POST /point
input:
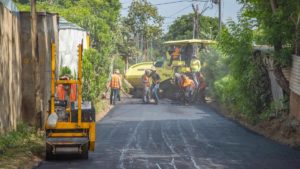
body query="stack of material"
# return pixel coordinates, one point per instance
(295, 88)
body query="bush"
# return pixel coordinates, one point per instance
(65, 71)
(246, 87)
(95, 74)
(23, 136)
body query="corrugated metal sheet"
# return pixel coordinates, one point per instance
(70, 36)
(64, 24)
(287, 73)
(295, 75)
(10, 6)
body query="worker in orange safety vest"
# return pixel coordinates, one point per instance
(62, 93)
(175, 54)
(115, 85)
(146, 86)
(188, 87)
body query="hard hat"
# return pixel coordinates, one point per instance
(177, 75)
(64, 77)
(147, 71)
(117, 71)
(153, 68)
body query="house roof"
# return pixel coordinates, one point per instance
(64, 24)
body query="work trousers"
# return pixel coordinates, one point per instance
(154, 89)
(146, 95)
(114, 93)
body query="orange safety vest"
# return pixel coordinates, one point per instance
(187, 82)
(73, 93)
(60, 92)
(146, 81)
(176, 53)
(115, 81)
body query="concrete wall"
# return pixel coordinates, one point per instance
(10, 70)
(47, 27)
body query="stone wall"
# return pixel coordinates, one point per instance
(10, 69)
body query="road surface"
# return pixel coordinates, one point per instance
(170, 136)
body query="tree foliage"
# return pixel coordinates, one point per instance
(274, 19)
(143, 19)
(99, 18)
(182, 28)
(145, 25)
(246, 88)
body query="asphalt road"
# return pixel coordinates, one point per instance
(170, 136)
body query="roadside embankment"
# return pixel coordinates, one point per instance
(283, 129)
(24, 147)
(102, 108)
(21, 148)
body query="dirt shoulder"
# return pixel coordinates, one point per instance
(284, 129)
(29, 153)
(102, 109)
(21, 149)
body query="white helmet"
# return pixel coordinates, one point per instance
(117, 71)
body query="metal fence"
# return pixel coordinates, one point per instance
(9, 4)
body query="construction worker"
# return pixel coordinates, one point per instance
(188, 87)
(188, 53)
(62, 90)
(146, 86)
(201, 86)
(195, 64)
(155, 84)
(178, 82)
(175, 54)
(121, 78)
(115, 85)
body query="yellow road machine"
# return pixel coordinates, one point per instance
(165, 68)
(70, 125)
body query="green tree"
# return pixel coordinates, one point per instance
(126, 45)
(246, 87)
(182, 27)
(99, 18)
(276, 20)
(145, 24)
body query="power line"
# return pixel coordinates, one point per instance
(166, 3)
(177, 12)
(174, 2)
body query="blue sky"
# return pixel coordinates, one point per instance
(230, 9)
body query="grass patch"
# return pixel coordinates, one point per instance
(18, 148)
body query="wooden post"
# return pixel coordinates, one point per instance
(35, 62)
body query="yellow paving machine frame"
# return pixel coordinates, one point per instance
(67, 133)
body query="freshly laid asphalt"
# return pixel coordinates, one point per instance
(172, 136)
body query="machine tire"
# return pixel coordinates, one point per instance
(49, 155)
(85, 151)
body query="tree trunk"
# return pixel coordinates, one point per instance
(282, 81)
(273, 5)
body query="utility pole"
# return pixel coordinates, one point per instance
(220, 17)
(196, 21)
(196, 27)
(218, 2)
(35, 63)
